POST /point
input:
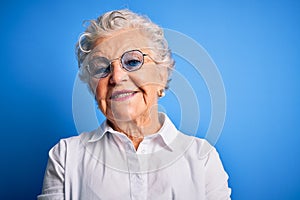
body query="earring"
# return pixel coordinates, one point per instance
(161, 93)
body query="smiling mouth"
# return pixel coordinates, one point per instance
(122, 95)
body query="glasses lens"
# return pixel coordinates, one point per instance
(99, 67)
(132, 60)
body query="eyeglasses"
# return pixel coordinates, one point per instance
(100, 67)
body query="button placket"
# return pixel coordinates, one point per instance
(143, 148)
(138, 186)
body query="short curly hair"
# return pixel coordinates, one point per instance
(114, 21)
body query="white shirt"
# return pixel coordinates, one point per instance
(104, 165)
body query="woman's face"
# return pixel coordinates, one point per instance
(128, 96)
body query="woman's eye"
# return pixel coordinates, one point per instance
(102, 70)
(99, 65)
(133, 63)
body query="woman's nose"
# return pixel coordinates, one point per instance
(117, 73)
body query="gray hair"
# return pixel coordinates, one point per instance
(114, 21)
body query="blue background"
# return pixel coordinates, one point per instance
(255, 45)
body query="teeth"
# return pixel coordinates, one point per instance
(122, 95)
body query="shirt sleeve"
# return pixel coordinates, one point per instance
(53, 185)
(216, 178)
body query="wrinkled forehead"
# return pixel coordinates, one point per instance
(121, 41)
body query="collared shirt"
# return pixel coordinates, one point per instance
(104, 165)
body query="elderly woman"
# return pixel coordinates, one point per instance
(137, 153)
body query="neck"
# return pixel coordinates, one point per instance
(137, 129)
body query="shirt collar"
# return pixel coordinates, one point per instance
(167, 132)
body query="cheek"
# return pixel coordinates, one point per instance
(148, 75)
(101, 96)
(94, 84)
(101, 90)
(150, 95)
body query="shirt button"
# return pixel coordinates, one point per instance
(140, 178)
(143, 151)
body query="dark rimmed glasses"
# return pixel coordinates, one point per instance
(100, 67)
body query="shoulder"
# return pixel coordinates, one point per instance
(71, 143)
(69, 149)
(201, 147)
